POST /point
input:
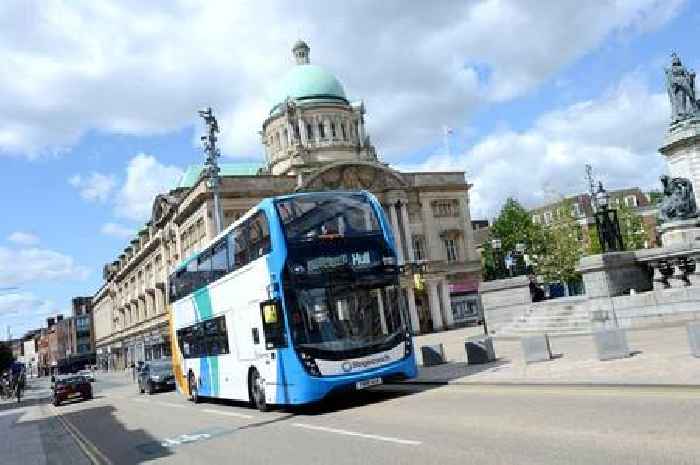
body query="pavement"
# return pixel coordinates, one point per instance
(401, 424)
(661, 356)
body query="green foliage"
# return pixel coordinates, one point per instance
(513, 225)
(632, 228)
(561, 247)
(655, 197)
(6, 357)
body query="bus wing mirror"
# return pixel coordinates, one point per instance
(273, 324)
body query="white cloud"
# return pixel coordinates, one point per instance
(117, 230)
(146, 177)
(96, 187)
(618, 134)
(24, 311)
(34, 264)
(23, 238)
(145, 68)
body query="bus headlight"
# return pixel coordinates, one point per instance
(408, 345)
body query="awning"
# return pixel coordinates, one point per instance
(465, 286)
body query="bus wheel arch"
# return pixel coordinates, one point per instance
(256, 390)
(192, 386)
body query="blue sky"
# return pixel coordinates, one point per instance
(99, 107)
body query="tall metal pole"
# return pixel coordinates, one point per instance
(211, 165)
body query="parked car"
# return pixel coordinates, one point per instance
(88, 374)
(71, 387)
(156, 376)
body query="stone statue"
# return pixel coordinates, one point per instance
(680, 85)
(679, 200)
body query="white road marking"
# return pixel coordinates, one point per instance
(170, 404)
(407, 442)
(228, 414)
(12, 412)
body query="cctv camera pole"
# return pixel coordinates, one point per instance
(211, 166)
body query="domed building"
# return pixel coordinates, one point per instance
(314, 139)
(311, 122)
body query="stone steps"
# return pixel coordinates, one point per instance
(554, 318)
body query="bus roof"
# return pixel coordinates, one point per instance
(255, 208)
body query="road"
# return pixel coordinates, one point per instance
(393, 425)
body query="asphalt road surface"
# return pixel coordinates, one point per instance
(393, 425)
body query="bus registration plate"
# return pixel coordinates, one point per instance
(365, 383)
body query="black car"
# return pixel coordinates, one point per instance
(156, 376)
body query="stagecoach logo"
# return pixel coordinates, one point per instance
(364, 363)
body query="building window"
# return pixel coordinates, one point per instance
(445, 208)
(547, 217)
(631, 201)
(451, 249)
(321, 131)
(342, 130)
(333, 134)
(309, 131)
(536, 219)
(419, 247)
(576, 211)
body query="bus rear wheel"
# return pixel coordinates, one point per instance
(257, 391)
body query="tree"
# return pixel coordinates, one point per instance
(560, 247)
(6, 357)
(512, 226)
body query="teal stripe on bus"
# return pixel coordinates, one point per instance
(202, 304)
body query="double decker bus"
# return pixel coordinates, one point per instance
(298, 298)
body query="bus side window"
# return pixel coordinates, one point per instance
(204, 273)
(219, 261)
(241, 246)
(259, 236)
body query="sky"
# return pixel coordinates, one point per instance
(99, 100)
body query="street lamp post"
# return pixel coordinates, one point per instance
(211, 166)
(607, 223)
(496, 245)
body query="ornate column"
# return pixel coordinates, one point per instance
(412, 310)
(382, 315)
(302, 132)
(407, 231)
(447, 304)
(432, 241)
(434, 302)
(315, 124)
(397, 233)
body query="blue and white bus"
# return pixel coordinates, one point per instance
(298, 298)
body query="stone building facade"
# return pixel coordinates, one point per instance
(314, 139)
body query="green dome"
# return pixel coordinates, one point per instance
(306, 82)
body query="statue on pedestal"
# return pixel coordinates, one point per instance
(679, 200)
(680, 85)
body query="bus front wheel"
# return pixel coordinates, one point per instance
(257, 391)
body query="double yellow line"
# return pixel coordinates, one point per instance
(89, 449)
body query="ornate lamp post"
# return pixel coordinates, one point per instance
(211, 165)
(496, 245)
(607, 223)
